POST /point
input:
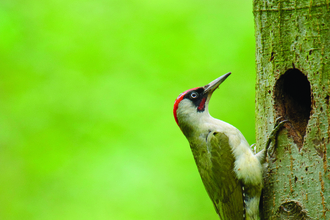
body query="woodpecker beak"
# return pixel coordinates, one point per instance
(209, 88)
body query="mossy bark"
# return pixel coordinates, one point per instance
(293, 82)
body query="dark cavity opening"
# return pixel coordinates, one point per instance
(293, 102)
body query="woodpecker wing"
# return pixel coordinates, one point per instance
(222, 186)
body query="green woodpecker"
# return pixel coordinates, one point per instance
(230, 171)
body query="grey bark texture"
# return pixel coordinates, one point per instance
(293, 82)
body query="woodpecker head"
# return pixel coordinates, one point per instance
(192, 105)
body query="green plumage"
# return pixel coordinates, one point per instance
(215, 163)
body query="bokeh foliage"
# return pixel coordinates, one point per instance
(87, 90)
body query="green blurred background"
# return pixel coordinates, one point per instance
(87, 90)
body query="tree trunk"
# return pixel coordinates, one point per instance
(293, 77)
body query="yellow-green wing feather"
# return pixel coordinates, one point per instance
(217, 172)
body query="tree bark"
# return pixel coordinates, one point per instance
(293, 82)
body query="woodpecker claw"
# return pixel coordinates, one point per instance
(254, 148)
(278, 125)
(278, 120)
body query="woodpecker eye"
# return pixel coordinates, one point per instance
(194, 95)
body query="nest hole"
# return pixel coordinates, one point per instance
(293, 102)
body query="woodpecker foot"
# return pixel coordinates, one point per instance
(273, 135)
(254, 148)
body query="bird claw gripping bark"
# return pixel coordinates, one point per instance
(269, 150)
(273, 136)
(254, 148)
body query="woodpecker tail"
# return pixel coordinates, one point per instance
(251, 198)
(252, 209)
